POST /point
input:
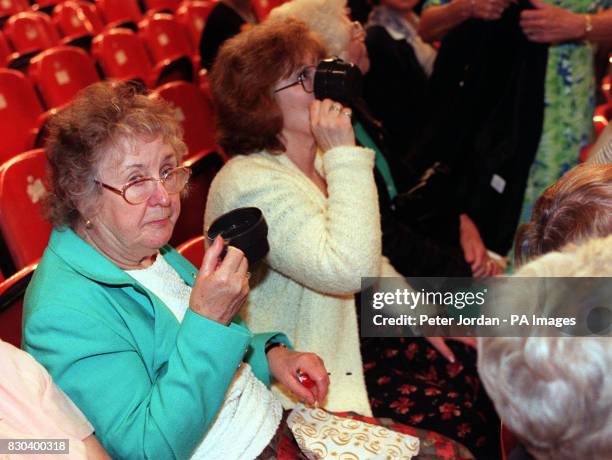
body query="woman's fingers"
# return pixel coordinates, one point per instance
(286, 365)
(479, 271)
(315, 112)
(219, 291)
(440, 345)
(211, 257)
(243, 268)
(331, 125)
(232, 260)
(313, 366)
(302, 393)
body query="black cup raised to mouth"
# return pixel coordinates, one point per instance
(245, 229)
(337, 80)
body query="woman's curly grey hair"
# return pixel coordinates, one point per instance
(102, 120)
(328, 19)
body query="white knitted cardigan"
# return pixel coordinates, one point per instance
(320, 247)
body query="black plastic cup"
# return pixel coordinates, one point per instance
(337, 80)
(243, 228)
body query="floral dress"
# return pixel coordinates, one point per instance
(569, 102)
(410, 382)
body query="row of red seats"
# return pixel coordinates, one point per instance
(59, 72)
(116, 10)
(75, 22)
(164, 49)
(78, 22)
(113, 11)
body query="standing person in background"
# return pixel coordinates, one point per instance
(396, 86)
(227, 18)
(565, 31)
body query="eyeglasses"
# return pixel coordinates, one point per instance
(141, 190)
(305, 78)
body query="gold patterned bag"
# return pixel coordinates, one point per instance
(323, 435)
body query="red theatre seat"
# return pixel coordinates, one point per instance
(78, 21)
(195, 112)
(193, 15)
(119, 12)
(122, 55)
(10, 7)
(46, 6)
(193, 250)
(20, 114)
(162, 5)
(30, 32)
(190, 223)
(5, 50)
(60, 72)
(22, 188)
(170, 47)
(12, 291)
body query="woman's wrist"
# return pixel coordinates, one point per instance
(271, 346)
(588, 26)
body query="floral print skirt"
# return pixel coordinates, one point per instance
(410, 382)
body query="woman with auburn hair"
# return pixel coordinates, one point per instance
(459, 406)
(577, 207)
(295, 158)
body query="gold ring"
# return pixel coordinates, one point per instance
(348, 113)
(336, 107)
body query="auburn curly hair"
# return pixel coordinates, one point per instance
(243, 77)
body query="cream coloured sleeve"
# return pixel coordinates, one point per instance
(327, 247)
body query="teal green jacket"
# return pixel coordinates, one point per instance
(150, 386)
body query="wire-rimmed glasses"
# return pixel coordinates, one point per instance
(305, 78)
(140, 190)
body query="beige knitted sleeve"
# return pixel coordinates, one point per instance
(326, 244)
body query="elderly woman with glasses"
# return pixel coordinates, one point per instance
(147, 346)
(295, 158)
